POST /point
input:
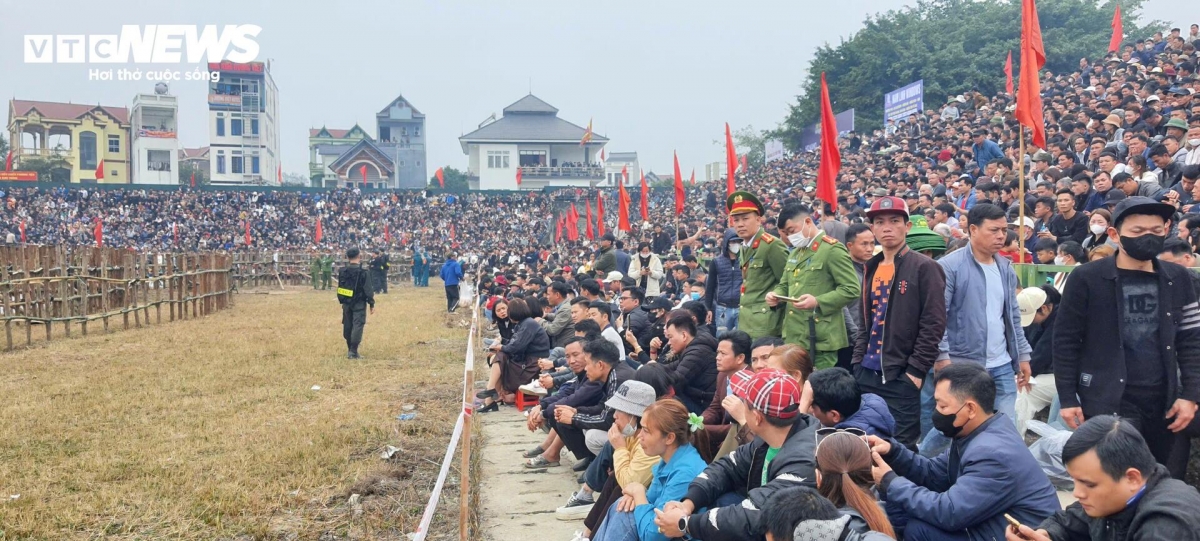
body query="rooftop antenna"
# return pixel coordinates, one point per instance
(531, 86)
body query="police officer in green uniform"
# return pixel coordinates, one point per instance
(762, 258)
(820, 277)
(326, 271)
(314, 268)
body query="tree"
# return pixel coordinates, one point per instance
(748, 141)
(185, 174)
(955, 46)
(3, 146)
(455, 179)
(53, 168)
(295, 179)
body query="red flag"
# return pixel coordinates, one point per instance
(100, 170)
(645, 203)
(587, 134)
(387, 234)
(600, 214)
(679, 194)
(21, 227)
(518, 177)
(8, 161)
(248, 239)
(693, 180)
(320, 234)
(363, 171)
(622, 208)
(453, 233)
(174, 232)
(831, 157)
(98, 233)
(730, 162)
(1008, 82)
(1033, 57)
(1114, 44)
(572, 223)
(279, 173)
(193, 181)
(590, 234)
(558, 229)
(441, 178)
(745, 163)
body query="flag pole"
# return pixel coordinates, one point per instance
(1021, 193)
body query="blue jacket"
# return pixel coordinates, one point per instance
(623, 259)
(724, 284)
(973, 483)
(872, 417)
(986, 152)
(966, 302)
(452, 272)
(670, 483)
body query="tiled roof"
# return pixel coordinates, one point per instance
(55, 110)
(530, 104)
(186, 153)
(335, 133)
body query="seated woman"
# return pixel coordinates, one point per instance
(503, 324)
(844, 477)
(515, 363)
(668, 431)
(794, 360)
(733, 355)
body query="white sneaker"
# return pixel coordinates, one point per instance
(534, 387)
(576, 508)
(579, 536)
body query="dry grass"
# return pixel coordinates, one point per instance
(208, 429)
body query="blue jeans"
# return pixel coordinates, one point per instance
(1006, 402)
(725, 318)
(597, 472)
(617, 526)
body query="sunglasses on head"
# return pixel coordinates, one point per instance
(823, 433)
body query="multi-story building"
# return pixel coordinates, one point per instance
(155, 154)
(530, 136)
(70, 140)
(618, 161)
(394, 158)
(243, 125)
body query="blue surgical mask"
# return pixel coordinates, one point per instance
(695, 296)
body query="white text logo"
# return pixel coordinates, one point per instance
(151, 44)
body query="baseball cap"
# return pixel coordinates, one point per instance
(633, 397)
(888, 205)
(1029, 300)
(1114, 196)
(609, 237)
(1029, 223)
(1141, 205)
(658, 303)
(614, 276)
(772, 392)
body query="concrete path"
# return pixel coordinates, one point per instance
(519, 503)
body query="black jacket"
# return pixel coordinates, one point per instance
(359, 281)
(637, 321)
(916, 315)
(693, 372)
(1041, 338)
(1089, 360)
(1167, 510)
(600, 416)
(741, 472)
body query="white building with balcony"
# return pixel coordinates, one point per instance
(530, 136)
(243, 125)
(154, 129)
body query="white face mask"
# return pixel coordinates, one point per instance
(1194, 143)
(1058, 260)
(797, 240)
(735, 247)
(629, 430)
(1098, 229)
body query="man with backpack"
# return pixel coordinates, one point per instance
(354, 293)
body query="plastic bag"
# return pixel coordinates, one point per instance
(1047, 450)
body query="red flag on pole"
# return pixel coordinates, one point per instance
(1033, 57)
(693, 180)
(572, 223)
(590, 234)
(21, 227)
(1008, 82)
(645, 202)
(193, 180)
(831, 157)
(730, 162)
(387, 234)
(622, 208)
(248, 239)
(8, 161)
(279, 173)
(100, 170)
(1114, 44)
(453, 233)
(362, 170)
(745, 163)
(600, 214)
(518, 177)
(320, 234)
(98, 232)
(441, 178)
(679, 194)
(558, 229)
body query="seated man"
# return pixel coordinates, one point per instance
(734, 488)
(803, 514)
(1038, 312)
(838, 402)
(580, 392)
(584, 429)
(1123, 493)
(986, 473)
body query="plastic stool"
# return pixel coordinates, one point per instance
(523, 403)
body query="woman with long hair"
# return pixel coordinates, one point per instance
(844, 477)
(670, 432)
(515, 363)
(503, 324)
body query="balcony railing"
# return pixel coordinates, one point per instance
(562, 172)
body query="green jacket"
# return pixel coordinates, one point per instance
(314, 266)
(824, 270)
(327, 263)
(762, 262)
(606, 262)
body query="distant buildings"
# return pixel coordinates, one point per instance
(70, 140)
(243, 125)
(547, 149)
(394, 158)
(154, 127)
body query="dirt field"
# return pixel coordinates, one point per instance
(211, 429)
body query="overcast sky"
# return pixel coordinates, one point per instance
(654, 76)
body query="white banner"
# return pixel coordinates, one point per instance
(774, 150)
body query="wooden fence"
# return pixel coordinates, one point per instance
(277, 269)
(60, 286)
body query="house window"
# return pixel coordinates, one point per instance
(498, 159)
(158, 160)
(221, 162)
(220, 127)
(114, 144)
(235, 127)
(403, 131)
(254, 164)
(417, 131)
(237, 165)
(254, 126)
(87, 150)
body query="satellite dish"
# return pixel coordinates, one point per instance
(160, 89)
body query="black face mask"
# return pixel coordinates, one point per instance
(1143, 248)
(945, 423)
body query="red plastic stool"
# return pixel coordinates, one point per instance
(523, 403)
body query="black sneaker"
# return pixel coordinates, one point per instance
(577, 507)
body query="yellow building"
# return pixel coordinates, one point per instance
(69, 141)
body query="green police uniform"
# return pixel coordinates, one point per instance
(762, 261)
(314, 268)
(823, 269)
(326, 271)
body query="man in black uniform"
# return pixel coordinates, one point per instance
(354, 292)
(379, 268)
